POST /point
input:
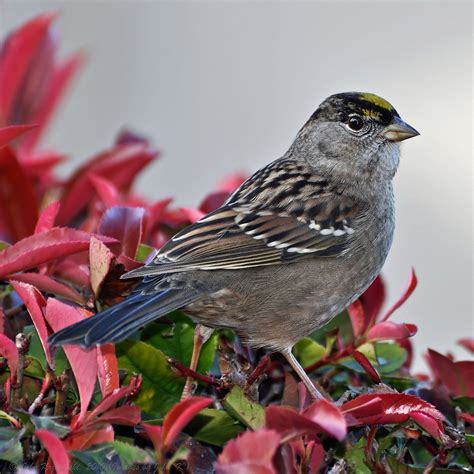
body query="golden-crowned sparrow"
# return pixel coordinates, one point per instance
(297, 243)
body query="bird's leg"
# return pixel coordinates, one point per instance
(315, 393)
(201, 336)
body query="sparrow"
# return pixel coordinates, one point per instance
(292, 247)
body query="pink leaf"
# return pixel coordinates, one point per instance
(358, 317)
(106, 191)
(8, 134)
(83, 361)
(329, 417)
(367, 366)
(250, 453)
(390, 408)
(47, 217)
(120, 166)
(41, 248)
(19, 209)
(35, 304)
(16, 56)
(406, 294)
(389, 330)
(9, 350)
(180, 415)
(126, 225)
(56, 450)
(49, 285)
(107, 365)
(100, 258)
(457, 377)
(467, 343)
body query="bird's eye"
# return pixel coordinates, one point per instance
(355, 123)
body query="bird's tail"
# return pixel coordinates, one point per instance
(120, 321)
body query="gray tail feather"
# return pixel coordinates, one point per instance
(120, 321)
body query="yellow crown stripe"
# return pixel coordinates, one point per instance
(378, 101)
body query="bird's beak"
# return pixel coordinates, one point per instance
(398, 130)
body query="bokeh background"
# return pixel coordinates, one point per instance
(225, 86)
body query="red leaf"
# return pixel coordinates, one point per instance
(57, 85)
(120, 166)
(56, 450)
(50, 285)
(372, 300)
(125, 415)
(367, 366)
(467, 343)
(213, 201)
(101, 259)
(19, 209)
(17, 54)
(390, 330)
(80, 440)
(155, 433)
(358, 317)
(317, 456)
(9, 350)
(231, 182)
(106, 191)
(47, 218)
(406, 294)
(124, 224)
(457, 377)
(83, 361)
(191, 215)
(250, 453)
(329, 417)
(380, 408)
(35, 304)
(8, 134)
(180, 415)
(107, 365)
(41, 248)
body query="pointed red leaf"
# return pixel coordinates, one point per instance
(125, 415)
(155, 433)
(41, 248)
(39, 164)
(82, 439)
(100, 258)
(18, 52)
(372, 300)
(329, 417)
(19, 206)
(9, 350)
(250, 453)
(389, 330)
(126, 225)
(192, 215)
(467, 343)
(83, 361)
(358, 317)
(406, 294)
(180, 415)
(106, 190)
(47, 218)
(390, 408)
(107, 365)
(8, 134)
(36, 305)
(62, 76)
(56, 450)
(212, 201)
(457, 377)
(367, 366)
(120, 166)
(50, 285)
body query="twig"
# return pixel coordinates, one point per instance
(61, 383)
(259, 370)
(22, 342)
(44, 389)
(187, 372)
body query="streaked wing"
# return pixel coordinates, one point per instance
(282, 213)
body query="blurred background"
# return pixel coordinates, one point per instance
(224, 86)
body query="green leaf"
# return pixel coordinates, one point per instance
(465, 403)
(177, 340)
(143, 252)
(100, 459)
(50, 424)
(309, 351)
(129, 454)
(11, 449)
(238, 405)
(400, 468)
(342, 322)
(34, 367)
(213, 426)
(4, 245)
(161, 387)
(355, 456)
